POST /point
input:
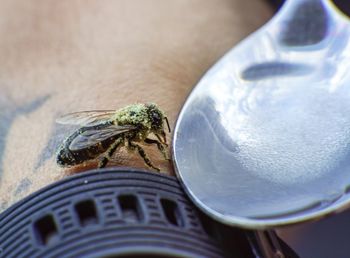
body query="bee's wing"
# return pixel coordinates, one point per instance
(93, 136)
(86, 118)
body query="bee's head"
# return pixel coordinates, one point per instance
(157, 118)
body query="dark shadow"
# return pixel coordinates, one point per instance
(308, 25)
(8, 113)
(274, 69)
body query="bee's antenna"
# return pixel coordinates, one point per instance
(167, 122)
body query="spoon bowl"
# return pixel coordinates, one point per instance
(263, 140)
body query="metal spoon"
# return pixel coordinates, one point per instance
(263, 140)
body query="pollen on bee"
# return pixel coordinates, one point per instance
(103, 133)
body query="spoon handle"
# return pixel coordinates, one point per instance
(265, 244)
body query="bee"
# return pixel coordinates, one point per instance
(103, 132)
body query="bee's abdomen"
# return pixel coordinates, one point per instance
(67, 157)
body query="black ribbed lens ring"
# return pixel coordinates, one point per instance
(104, 213)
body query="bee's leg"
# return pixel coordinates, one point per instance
(160, 147)
(160, 138)
(110, 151)
(143, 155)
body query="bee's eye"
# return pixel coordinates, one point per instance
(156, 118)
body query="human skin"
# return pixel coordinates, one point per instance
(65, 56)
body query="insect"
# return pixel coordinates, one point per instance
(103, 132)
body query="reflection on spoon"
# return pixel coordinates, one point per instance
(274, 69)
(264, 138)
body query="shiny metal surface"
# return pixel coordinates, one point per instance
(264, 138)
